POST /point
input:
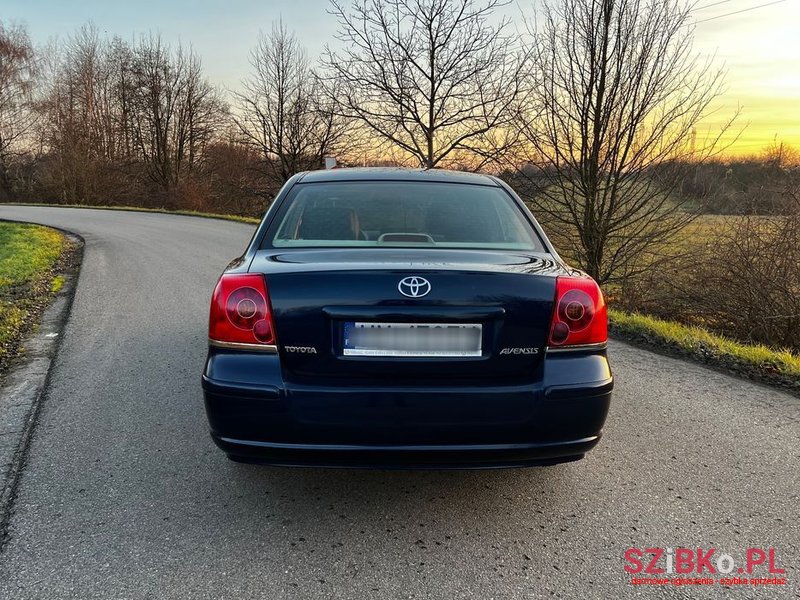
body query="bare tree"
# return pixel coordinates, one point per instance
(85, 125)
(17, 79)
(76, 109)
(281, 112)
(431, 77)
(174, 110)
(741, 278)
(612, 126)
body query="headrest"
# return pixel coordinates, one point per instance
(328, 223)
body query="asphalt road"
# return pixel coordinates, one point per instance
(125, 496)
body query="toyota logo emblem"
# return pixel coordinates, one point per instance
(414, 287)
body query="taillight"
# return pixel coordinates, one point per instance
(580, 315)
(240, 311)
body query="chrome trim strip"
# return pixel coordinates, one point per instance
(268, 348)
(577, 348)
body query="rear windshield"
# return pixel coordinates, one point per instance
(405, 214)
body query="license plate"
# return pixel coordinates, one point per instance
(412, 339)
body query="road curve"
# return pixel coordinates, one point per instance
(124, 495)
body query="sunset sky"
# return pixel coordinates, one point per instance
(760, 48)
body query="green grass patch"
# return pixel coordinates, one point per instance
(755, 360)
(189, 213)
(28, 254)
(57, 284)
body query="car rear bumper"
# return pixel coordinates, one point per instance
(407, 457)
(256, 416)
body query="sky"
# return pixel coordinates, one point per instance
(760, 48)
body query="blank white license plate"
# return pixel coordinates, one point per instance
(412, 339)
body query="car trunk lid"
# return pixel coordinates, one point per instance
(319, 296)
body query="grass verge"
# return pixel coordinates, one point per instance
(188, 213)
(28, 258)
(754, 361)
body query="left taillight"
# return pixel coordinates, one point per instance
(240, 311)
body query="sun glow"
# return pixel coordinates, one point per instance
(760, 50)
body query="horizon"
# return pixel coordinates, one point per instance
(756, 45)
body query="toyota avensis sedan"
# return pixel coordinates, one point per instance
(404, 318)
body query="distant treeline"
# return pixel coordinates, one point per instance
(760, 184)
(755, 185)
(108, 122)
(104, 121)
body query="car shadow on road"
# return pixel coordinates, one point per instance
(447, 498)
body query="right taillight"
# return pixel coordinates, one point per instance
(580, 315)
(240, 311)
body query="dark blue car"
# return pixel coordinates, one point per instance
(404, 318)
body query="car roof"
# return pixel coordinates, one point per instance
(397, 174)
